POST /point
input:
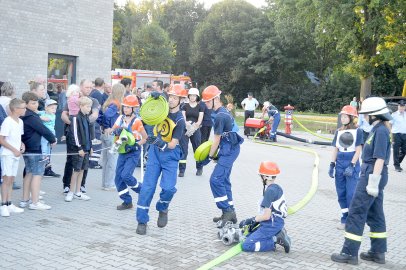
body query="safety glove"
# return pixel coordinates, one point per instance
(131, 148)
(206, 161)
(373, 184)
(155, 95)
(158, 142)
(331, 170)
(349, 171)
(247, 222)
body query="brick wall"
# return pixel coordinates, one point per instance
(29, 30)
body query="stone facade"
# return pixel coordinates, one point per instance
(30, 30)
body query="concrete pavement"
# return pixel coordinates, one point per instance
(94, 235)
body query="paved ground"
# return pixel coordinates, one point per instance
(93, 235)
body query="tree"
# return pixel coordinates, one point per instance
(180, 18)
(359, 28)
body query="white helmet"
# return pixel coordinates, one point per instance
(194, 91)
(375, 106)
(267, 104)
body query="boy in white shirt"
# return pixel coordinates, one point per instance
(12, 148)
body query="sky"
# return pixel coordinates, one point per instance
(207, 3)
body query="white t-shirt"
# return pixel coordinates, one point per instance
(12, 132)
(249, 104)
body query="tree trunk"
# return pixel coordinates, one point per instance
(365, 86)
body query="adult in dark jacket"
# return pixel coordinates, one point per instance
(34, 129)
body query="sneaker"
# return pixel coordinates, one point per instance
(24, 204)
(50, 173)
(39, 206)
(14, 209)
(69, 197)
(181, 174)
(344, 258)
(15, 186)
(98, 166)
(398, 169)
(162, 218)
(141, 229)
(81, 196)
(42, 192)
(83, 189)
(199, 172)
(113, 188)
(66, 190)
(4, 211)
(283, 239)
(125, 206)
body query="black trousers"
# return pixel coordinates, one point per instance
(247, 114)
(399, 148)
(205, 130)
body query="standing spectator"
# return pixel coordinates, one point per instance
(34, 164)
(79, 145)
(10, 138)
(85, 89)
(51, 91)
(107, 91)
(138, 93)
(39, 90)
(193, 115)
(127, 84)
(399, 135)
(166, 87)
(207, 123)
(249, 105)
(61, 97)
(111, 111)
(97, 93)
(367, 203)
(158, 86)
(49, 115)
(354, 103)
(7, 92)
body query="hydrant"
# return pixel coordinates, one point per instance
(288, 118)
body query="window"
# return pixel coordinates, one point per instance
(61, 69)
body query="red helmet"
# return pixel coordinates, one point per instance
(269, 168)
(130, 101)
(349, 110)
(210, 92)
(177, 90)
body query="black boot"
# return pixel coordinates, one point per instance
(344, 258)
(373, 257)
(217, 219)
(199, 172)
(141, 229)
(226, 217)
(162, 218)
(283, 239)
(125, 206)
(181, 174)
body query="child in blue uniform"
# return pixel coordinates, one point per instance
(163, 158)
(367, 203)
(275, 116)
(267, 228)
(228, 141)
(347, 144)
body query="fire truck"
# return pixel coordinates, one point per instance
(139, 78)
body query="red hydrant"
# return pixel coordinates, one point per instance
(288, 118)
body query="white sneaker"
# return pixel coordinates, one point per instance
(66, 190)
(82, 189)
(24, 204)
(4, 211)
(42, 192)
(69, 197)
(81, 196)
(39, 206)
(14, 209)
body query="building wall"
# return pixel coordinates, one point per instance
(29, 30)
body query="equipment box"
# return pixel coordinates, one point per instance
(255, 123)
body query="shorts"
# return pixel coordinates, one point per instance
(80, 163)
(34, 164)
(9, 165)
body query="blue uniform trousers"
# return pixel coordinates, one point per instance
(366, 208)
(124, 179)
(275, 124)
(159, 162)
(345, 186)
(220, 183)
(262, 239)
(184, 143)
